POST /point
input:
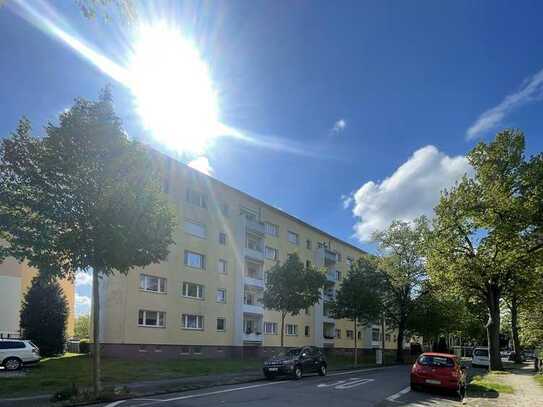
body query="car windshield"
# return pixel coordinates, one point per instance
(291, 352)
(441, 361)
(481, 352)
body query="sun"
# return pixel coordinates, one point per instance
(173, 91)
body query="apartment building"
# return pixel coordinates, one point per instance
(205, 298)
(15, 279)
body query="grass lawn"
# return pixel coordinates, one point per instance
(539, 379)
(54, 374)
(488, 384)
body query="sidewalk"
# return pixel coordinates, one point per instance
(527, 392)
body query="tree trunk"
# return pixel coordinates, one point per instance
(493, 327)
(514, 328)
(355, 345)
(399, 342)
(96, 371)
(383, 338)
(282, 329)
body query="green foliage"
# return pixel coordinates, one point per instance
(360, 295)
(82, 326)
(44, 314)
(292, 287)
(83, 196)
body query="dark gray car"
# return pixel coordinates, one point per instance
(295, 362)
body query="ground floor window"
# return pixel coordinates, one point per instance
(307, 331)
(292, 329)
(350, 334)
(338, 333)
(270, 328)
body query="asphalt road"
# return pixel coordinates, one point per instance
(384, 387)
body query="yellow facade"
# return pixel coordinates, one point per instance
(15, 279)
(230, 212)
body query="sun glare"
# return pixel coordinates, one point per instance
(173, 92)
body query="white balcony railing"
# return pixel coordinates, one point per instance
(254, 282)
(257, 309)
(253, 337)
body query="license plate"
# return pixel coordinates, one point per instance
(272, 369)
(430, 381)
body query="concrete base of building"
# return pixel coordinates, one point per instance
(171, 352)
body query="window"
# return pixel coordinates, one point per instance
(12, 345)
(271, 229)
(192, 290)
(196, 350)
(308, 264)
(221, 295)
(221, 324)
(196, 198)
(190, 321)
(270, 328)
(292, 237)
(350, 334)
(153, 284)
(308, 244)
(387, 337)
(225, 210)
(222, 266)
(350, 261)
(338, 255)
(222, 238)
(249, 298)
(195, 229)
(338, 275)
(436, 361)
(151, 318)
(249, 214)
(292, 329)
(306, 331)
(185, 350)
(271, 253)
(338, 333)
(375, 334)
(195, 260)
(254, 242)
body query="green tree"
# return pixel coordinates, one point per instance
(402, 265)
(44, 315)
(82, 326)
(292, 287)
(82, 197)
(486, 226)
(360, 296)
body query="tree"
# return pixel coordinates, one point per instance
(44, 315)
(403, 270)
(82, 326)
(487, 225)
(82, 197)
(292, 287)
(360, 296)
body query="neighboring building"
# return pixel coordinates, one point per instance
(205, 299)
(15, 279)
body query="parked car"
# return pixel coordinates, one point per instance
(295, 362)
(438, 370)
(528, 354)
(14, 353)
(480, 357)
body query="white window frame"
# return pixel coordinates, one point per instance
(223, 324)
(225, 268)
(271, 229)
(291, 330)
(273, 326)
(196, 198)
(200, 290)
(161, 284)
(202, 262)
(223, 290)
(199, 234)
(160, 317)
(273, 250)
(294, 235)
(199, 322)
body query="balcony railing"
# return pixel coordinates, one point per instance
(255, 226)
(253, 337)
(254, 282)
(256, 309)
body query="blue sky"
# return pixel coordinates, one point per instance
(375, 104)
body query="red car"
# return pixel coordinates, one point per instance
(438, 370)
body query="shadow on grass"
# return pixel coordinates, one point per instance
(482, 391)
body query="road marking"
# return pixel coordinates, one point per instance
(399, 394)
(353, 383)
(361, 370)
(332, 384)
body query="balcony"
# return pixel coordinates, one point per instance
(330, 257)
(253, 282)
(254, 309)
(253, 337)
(331, 276)
(255, 226)
(328, 332)
(329, 295)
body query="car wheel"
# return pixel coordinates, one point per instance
(416, 387)
(297, 372)
(13, 364)
(322, 370)
(269, 376)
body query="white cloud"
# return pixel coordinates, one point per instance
(347, 200)
(530, 90)
(339, 126)
(201, 164)
(82, 278)
(412, 190)
(82, 304)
